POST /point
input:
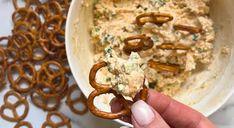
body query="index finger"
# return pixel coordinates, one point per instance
(177, 114)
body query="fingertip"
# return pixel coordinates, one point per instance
(116, 105)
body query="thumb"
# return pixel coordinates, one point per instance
(144, 116)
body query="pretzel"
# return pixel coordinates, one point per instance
(137, 43)
(27, 15)
(164, 67)
(104, 89)
(37, 53)
(3, 64)
(23, 44)
(153, 17)
(171, 46)
(78, 100)
(65, 122)
(47, 103)
(54, 78)
(58, 38)
(53, 23)
(13, 106)
(22, 26)
(189, 29)
(22, 70)
(23, 124)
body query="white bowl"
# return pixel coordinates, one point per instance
(205, 91)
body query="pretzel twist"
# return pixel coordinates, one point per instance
(50, 123)
(153, 17)
(22, 70)
(13, 106)
(137, 43)
(78, 100)
(105, 89)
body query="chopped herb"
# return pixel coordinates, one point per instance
(195, 37)
(152, 84)
(139, 6)
(97, 29)
(155, 38)
(200, 50)
(108, 79)
(124, 29)
(161, 3)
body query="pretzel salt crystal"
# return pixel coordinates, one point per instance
(153, 17)
(137, 43)
(105, 89)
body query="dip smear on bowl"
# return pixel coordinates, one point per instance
(115, 20)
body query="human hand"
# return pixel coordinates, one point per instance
(161, 111)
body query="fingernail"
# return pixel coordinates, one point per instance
(142, 113)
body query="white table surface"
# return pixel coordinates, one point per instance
(223, 118)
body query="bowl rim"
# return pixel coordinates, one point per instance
(70, 61)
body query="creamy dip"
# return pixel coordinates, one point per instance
(115, 20)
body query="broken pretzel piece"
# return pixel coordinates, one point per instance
(190, 29)
(153, 17)
(164, 67)
(107, 89)
(137, 43)
(171, 46)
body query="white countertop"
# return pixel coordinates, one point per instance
(223, 118)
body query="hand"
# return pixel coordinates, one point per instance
(161, 111)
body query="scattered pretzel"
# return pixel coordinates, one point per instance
(171, 46)
(77, 100)
(65, 122)
(3, 65)
(189, 29)
(137, 43)
(47, 103)
(23, 124)
(105, 89)
(22, 70)
(153, 17)
(164, 67)
(13, 106)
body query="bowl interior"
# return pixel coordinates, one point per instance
(205, 91)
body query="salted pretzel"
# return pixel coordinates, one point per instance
(47, 103)
(71, 102)
(52, 76)
(23, 71)
(189, 29)
(153, 17)
(171, 46)
(64, 121)
(11, 55)
(23, 44)
(27, 15)
(137, 43)
(107, 89)
(3, 65)
(164, 67)
(8, 105)
(23, 124)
